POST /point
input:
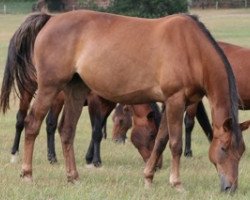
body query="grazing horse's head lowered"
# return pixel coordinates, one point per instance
(146, 119)
(121, 123)
(225, 152)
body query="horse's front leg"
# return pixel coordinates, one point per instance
(160, 144)
(175, 109)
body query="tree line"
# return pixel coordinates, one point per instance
(139, 8)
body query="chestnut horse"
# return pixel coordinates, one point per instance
(99, 109)
(146, 120)
(122, 119)
(173, 60)
(239, 60)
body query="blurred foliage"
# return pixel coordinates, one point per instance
(147, 8)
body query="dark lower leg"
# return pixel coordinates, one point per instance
(19, 128)
(189, 125)
(51, 122)
(90, 153)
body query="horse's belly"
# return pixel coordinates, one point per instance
(121, 87)
(119, 78)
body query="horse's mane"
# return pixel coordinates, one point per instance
(157, 114)
(234, 96)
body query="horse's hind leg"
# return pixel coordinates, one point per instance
(51, 122)
(39, 109)
(99, 110)
(75, 95)
(21, 114)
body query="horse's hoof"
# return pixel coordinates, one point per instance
(90, 166)
(97, 164)
(26, 178)
(53, 160)
(14, 158)
(148, 183)
(180, 188)
(73, 181)
(73, 177)
(188, 154)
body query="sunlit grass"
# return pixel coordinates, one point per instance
(121, 176)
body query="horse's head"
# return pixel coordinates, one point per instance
(143, 137)
(225, 152)
(122, 119)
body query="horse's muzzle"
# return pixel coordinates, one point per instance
(227, 186)
(120, 140)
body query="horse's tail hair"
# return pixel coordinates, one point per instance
(19, 68)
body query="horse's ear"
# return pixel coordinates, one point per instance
(244, 125)
(151, 116)
(227, 125)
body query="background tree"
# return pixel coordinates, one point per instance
(148, 8)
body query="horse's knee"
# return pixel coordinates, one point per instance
(161, 145)
(31, 128)
(176, 147)
(66, 135)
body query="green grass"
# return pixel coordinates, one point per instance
(121, 175)
(16, 7)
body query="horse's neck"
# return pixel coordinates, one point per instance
(218, 93)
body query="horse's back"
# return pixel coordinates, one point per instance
(239, 58)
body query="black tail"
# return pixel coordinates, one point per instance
(203, 120)
(19, 67)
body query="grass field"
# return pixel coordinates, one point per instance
(121, 174)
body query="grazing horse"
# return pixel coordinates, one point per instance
(173, 60)
(239, 60)
(99, 109)
(146, 120)
(122, 121)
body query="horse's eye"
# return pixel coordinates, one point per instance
(224, 149)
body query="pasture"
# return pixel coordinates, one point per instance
(121, 175)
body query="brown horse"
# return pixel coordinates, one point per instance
(239, 60)
(122, 119)
(146, 120)
(173, 60)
